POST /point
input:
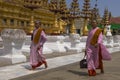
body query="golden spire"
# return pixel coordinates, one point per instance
(86, 14)
(74, 14)
(106, 17)
(31, 4)
(60, 10)
(95, 14)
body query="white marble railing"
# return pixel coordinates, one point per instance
(58, 44)
(72, 43)
(112, 41)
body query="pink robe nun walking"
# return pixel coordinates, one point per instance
(92, 52)
(36, 55)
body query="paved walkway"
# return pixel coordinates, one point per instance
(74, 72)
(14, 71)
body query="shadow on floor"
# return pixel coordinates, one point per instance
(28, 67)
(78, 73)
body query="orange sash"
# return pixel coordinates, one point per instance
(37, 36)
(95, 37)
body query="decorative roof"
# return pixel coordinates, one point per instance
(115, 20)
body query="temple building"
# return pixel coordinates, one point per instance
(21, 14)
(115, 25)
(14, 14)
(55, 16)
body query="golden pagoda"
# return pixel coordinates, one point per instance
(54, 15)
(74, 14)
(13, 14)
(86, 14)
(95, 14)
(59, 8)
(105, 19)
(64, 21)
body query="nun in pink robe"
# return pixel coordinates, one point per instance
(95, 53)
(36, 49)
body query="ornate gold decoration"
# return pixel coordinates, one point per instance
(62, 25)
(105, 19)
(14, 15)
(59, 8)
(86, 14)
(30, 4)
(95, 14)
(74, 14)
(55, 7)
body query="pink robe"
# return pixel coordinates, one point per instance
(93, 53)
(36, 56)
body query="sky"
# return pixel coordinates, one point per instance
(112, 6)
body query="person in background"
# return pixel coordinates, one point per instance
(38, 39)
(95, 50)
